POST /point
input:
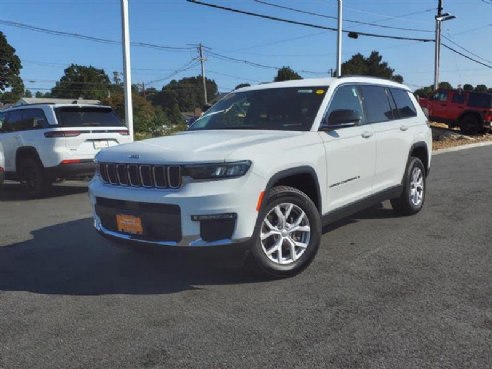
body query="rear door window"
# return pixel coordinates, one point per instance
(32, 119)
(12, 121)
(377, 105)
(458, 98)
(77, 116)
(477, 100)
(404, 104)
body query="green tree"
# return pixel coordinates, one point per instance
(373, 65)
(424, 91)
(286, 74)
(146, 118)
(187, 93)
(11, 85)
(467, 87)
(445, 85)
(27, 93)
(82, 82)
(481, 88)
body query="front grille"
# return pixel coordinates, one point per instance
(160, 222)
(141, 175)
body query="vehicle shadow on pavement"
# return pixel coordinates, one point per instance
(13, 191)
(72, 259)
(380, 211)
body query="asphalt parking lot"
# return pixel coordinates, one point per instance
(383, 292)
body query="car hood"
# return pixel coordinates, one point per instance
(196, 146)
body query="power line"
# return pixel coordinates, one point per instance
(236, 77)
(90, 38)
(472, 30)
(254, 64)
(185, 67)
(279, 41)
(345, 20)
(304, 23)
(468, 51)
(391, 17)
(466, 56)
(224, 57)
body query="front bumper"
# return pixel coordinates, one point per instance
(180, 217)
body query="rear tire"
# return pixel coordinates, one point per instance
(33, 180)
(470, 125)
(413, 195)
(287, 234)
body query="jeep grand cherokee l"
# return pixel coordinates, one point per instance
(266, 167)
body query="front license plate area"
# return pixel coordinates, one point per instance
(101, 144)
(129, 224)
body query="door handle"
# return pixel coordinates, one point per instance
(403, 128)
(366, 134)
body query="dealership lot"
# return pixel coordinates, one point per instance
(383, 292)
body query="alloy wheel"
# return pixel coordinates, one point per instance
(285, 233)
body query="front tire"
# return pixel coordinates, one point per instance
(414, 186)
(32, 178)
(287, 234)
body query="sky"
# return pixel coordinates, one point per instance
(252, 41)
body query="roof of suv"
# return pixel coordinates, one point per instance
(310, 82)
(32, 106)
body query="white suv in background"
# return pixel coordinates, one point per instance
(266, 167)
(46, 142)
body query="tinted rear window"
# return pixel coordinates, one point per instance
(377, 104)
(480, 100)
(87, 117)
(404, 104)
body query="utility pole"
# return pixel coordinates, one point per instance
(127, 79)
(339, 41)
(202, 61)
(440, 17)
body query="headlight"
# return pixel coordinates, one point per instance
(217, 171)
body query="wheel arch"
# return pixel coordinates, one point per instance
(303, 178)
(420, 150)
(25, 152)
(476, 114)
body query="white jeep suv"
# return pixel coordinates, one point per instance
(46, 142)
(266, 167)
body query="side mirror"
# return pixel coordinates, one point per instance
(341, 118)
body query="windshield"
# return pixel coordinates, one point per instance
(77, 116)
(287, 109)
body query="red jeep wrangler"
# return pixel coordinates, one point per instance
(469, 110)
